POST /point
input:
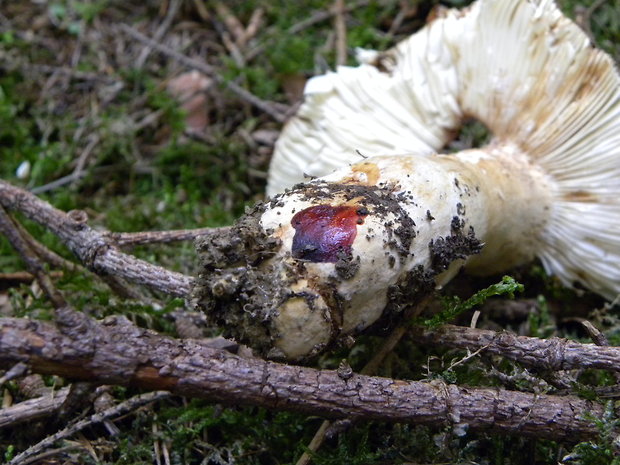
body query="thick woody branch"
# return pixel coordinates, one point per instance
(116, 352)
(94, 250)
(550, 354)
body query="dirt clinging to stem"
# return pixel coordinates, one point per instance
(246, 276)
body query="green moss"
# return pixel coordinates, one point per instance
(293, 56)
(246, 435)
(152, 177)
(454, 306)
(540, 322)
(603, 451)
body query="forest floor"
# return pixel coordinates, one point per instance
(124, 110)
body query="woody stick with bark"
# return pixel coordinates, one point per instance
(117, 352)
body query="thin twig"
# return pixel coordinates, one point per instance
(232, 23)
(159, 33)
(315, 443)
(128, 405)
(32, 409)
(29, 68)
(599, 339)
(583, 17)
(56, 183)
(201, 9)
(369, 369)
(96, 252)
(160, 237)
(8, 228)
(466, 358)
(341, 32)
(23, 277)
(550, 354)
(51, 453)
(114, 282)
(253, 26)
(88, 150)
(209, 71)
(321, 16)
(15, 371)
(45, 254)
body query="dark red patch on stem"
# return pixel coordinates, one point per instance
(324, 233)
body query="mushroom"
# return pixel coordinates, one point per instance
(387, 219)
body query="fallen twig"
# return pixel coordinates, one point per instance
(341, 32)
(158, 237)
(95, 251)
(128, 405)
(12, 233)
(45, 254)
(15, 371)
(50, 453)
(62, 181)
(388, 345)
(323, 15)
(117, 352)
(29, 68)
(173, 7)
(116, 283)
(232, 23)
(370, 369)
(78, 173)
(22, 277)
(32, 409)
(209, 71)
(551, 354)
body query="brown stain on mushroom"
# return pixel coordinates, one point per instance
(597, 69)
(577, 87)
(439, 12)
(386, 62)
(580, 196)
(365, 174)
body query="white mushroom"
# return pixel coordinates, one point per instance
(333, 256)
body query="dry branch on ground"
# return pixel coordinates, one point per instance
(117, 352)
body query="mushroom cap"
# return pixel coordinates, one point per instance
(521, 68)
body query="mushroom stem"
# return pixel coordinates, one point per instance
(514, 206)
(357, 246)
